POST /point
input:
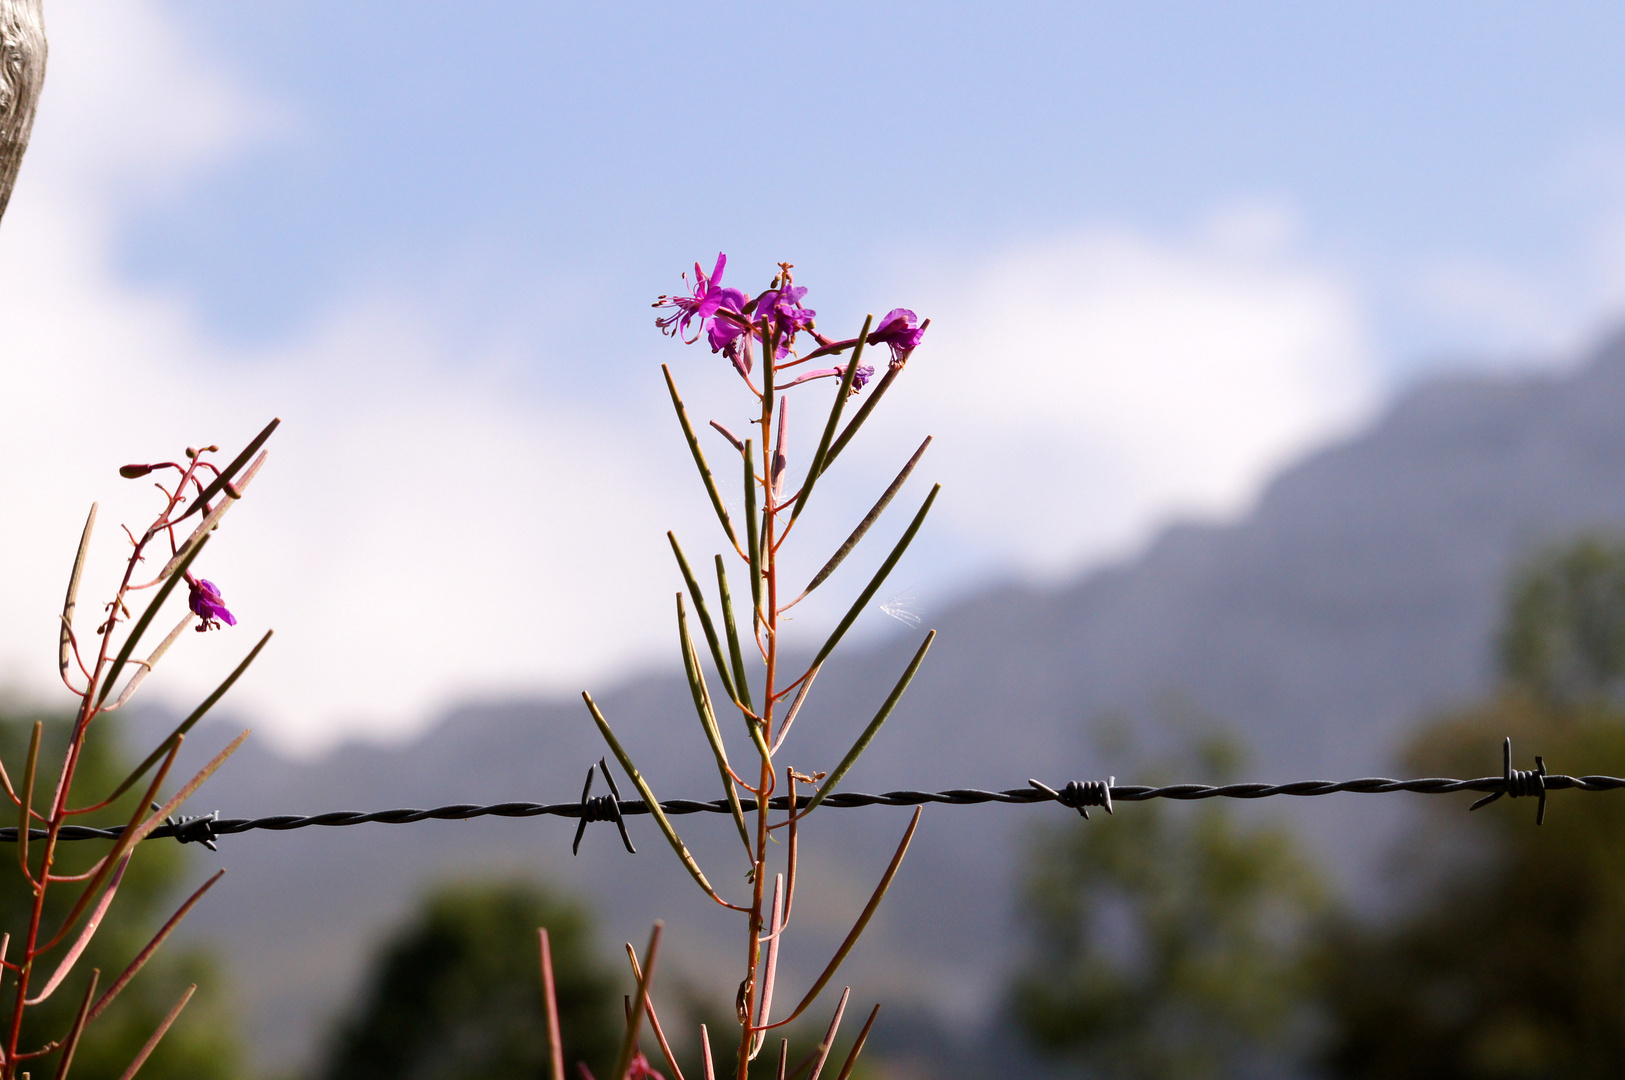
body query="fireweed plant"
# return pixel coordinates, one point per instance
(196, 495)
(772, 345)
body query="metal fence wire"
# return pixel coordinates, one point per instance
(1078, 794)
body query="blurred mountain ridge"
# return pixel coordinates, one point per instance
(1361, 593)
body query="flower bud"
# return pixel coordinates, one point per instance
(132, 472)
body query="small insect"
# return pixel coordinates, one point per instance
(904, 607)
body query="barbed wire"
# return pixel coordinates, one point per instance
(1079, 795)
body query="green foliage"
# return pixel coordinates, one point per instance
(1168, 941)
(1512, 964)
(1564, 636)
(456, 994)
(201, 1045)
(1158, 939)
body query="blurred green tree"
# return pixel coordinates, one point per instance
(1563, 638)
(1169, 941)
(202, 1044)
(456, 993)
(1510, 960)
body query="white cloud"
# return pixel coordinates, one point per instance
(1102, 382)
(429, 526)
(131, 107)
(419, 530)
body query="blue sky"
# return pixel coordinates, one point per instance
(605, 143)
(1167, 248)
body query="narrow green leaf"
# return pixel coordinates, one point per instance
(629, 1042)
(868, 519)
(142, 623)
(857, 927)
(699, 458)
(71, 1044)
(820, 1053)
(816, 469)
(863, 414)
(770, 357)
(857, 1047)
(873, 729)
(232, 469)
(157, 1036)
(71, 958)
(72, 600)
(875, 582)
(25, 804)
(146, 667)
(705, 616)
(649, 799)
(708, 720)
(753, 536)
(187, 724)
(141, 958)
(740, 682)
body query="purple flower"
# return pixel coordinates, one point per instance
(785, 316)
(207, 604)
(899, 331)
(724, 334)
(708, 296)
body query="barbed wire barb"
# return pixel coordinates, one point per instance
(601, 808)
(1081, 794)
(1519, 782)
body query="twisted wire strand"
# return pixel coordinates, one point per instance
(844, 799)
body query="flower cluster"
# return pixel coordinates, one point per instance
(736, 325)
(770, 339)
(103, 675)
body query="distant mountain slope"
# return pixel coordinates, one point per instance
(1359, 594)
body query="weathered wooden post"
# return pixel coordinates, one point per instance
(22, 74)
